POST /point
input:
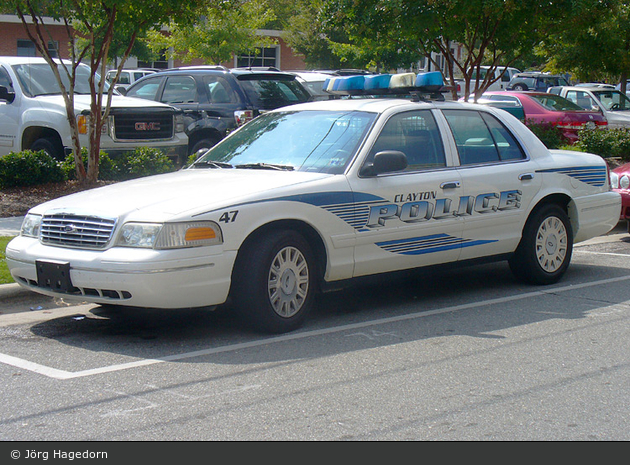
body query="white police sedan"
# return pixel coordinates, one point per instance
(312, 195)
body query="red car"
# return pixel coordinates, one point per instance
(541, 107)
(620, 182)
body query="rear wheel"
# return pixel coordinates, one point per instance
(274, 282)
(544, 252)
(520, 87)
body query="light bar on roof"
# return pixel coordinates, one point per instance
(380, 84)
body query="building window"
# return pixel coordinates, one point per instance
(26, 48)
(160, 63)
(262, 56)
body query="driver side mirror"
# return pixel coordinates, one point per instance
(387, 161)
(6, 95)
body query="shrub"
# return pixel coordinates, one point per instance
(144, 161)
(548, 134)
(606, 143)
(29, 168)
(107, 168)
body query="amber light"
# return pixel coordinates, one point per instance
(199, 234)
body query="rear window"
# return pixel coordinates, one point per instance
(268, 93)
(555, 102)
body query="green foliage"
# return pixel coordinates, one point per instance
(606, 143)
(549, 134)
(107, 169)
(29, 168)
(5, 276)
(143, 161)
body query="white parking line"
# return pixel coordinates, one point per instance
(62, 374)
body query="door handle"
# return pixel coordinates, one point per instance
(526, 176)
(450, 185)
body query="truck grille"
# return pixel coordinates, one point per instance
(145, 124)
(70, 230)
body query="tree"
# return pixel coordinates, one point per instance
(220, 32)
(490, 32)
(91, 26)
(594, 43)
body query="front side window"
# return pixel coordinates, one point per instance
(414, 133)
(481, 138)
(314, 141)
(146, 89)
(613, 100)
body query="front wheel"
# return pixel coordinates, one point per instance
(520, 87)
(47, 146)
(544, 253)
(274, 282)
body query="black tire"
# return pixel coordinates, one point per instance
(520, 87)
(203, 144)
(544, 253)
(274, 282)
(47, 146)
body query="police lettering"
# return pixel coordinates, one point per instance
(423, 210)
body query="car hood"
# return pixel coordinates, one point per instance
(182, 194)
(82, 102)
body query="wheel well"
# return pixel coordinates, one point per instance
(563, 201)
(196, 136)
(31, 134)
(307, 231)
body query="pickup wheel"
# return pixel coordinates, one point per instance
(274, 282)
(47, 146)
(520, 87)
(544, 253)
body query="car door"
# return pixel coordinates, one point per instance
(409, 217)
(9, 116)
(498, 182)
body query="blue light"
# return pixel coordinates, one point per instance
(376, 84)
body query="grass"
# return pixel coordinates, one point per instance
(5, 276)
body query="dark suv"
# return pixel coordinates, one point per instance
(217, 100)
(536, 81)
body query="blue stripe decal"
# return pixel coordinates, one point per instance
(429, 244)
(595, 176)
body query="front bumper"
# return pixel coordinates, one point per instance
(195, 277)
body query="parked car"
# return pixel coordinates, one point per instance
(306, 197)
(127, 77)
(536, 82)
(502, 74)
(542, 107)
(614, 105)
(620, 181)
(217, 100)
(33, 115)
(313, 81)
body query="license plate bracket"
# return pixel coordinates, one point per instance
(54, 275)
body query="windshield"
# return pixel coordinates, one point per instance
(39, 79)
(556, 103)
(613, 100)
(315, 141)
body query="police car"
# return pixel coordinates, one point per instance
(309, 196)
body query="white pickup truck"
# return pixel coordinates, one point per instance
(33, 115)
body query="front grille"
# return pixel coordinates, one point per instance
(142, 125)
(70, 230)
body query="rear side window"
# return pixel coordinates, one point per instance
(219, 90)
(180, 89)
(268, 94)
(481, 138)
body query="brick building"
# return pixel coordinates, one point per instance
(15, 41)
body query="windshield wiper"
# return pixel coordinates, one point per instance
(265, 166)
(211, 164)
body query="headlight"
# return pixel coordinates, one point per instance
(624, 182)
(138, 235)
(170, 235)
(614, 180)
(30, 225)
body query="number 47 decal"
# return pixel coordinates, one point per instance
(228, 217)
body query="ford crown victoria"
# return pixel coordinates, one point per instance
(307, 197)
